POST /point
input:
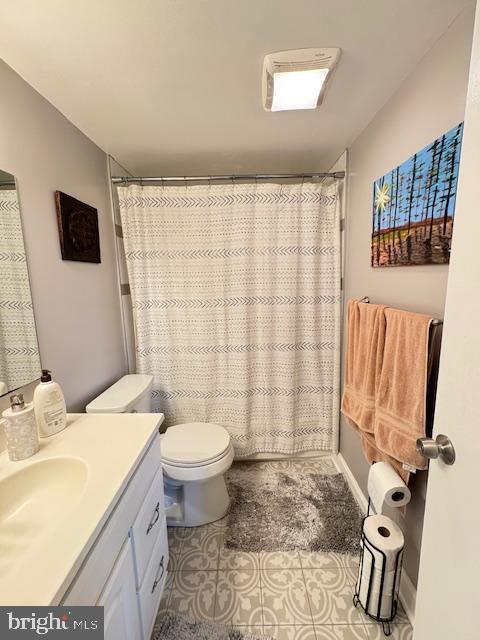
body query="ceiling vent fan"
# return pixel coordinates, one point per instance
(297, 79)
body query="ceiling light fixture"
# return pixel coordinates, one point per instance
(297, 79)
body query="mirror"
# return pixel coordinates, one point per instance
(19, 355)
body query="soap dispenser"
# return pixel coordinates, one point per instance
(49, 403)
(20, 428)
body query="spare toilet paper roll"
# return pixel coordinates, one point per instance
(376, 586)
(386, 488)
(384, 534)
(378, 605)
(375, 575)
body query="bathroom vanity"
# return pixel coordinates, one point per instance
(82, 522)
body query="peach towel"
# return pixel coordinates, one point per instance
(366, 335)
(400, 404)
(373, 454)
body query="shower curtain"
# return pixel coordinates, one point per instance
(19, 356)
(236, 300)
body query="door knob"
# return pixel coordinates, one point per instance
(441, 447)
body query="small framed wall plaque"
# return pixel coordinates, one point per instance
(78, 229)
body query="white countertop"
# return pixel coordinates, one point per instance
(36, 569)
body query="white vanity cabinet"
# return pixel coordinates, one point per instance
(126, 569)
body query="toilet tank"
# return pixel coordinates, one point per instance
(130, 394)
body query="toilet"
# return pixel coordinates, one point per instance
(195, 455)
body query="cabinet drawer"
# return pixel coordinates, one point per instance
(153, 584)
(147, 526)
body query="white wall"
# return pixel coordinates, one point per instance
(429, 102)
(77, 307)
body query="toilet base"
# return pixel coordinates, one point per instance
(193, 504)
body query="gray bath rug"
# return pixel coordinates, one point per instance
(292, 508)
(174, 627)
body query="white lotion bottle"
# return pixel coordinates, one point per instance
(20, 429)
(49, 404)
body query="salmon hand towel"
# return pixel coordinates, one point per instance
(400, 405)
(365, 342)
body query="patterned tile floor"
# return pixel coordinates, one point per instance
(287, 596)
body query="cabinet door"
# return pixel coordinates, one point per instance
(119, 599)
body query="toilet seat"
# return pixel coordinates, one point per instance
(195, 444)
(201, 472)
(196, 451)
(188, 465)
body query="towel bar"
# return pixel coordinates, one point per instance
(435, 321)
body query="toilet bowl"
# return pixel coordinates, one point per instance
(195, 455)
(195, 458)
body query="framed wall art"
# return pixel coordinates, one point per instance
(414, 206)
(78, 229)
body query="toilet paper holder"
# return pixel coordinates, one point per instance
(367, 547)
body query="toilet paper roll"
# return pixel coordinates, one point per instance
(385, 601)
(379, 595)
(386, 488)
(384, 534)
(372, 573)
(374, 559)
(376, 596)
(388, 581)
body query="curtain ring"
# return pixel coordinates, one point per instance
(186, 182)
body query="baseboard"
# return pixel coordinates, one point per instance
(408, 593)
(265, 456)
(408, 596)
(352, 483)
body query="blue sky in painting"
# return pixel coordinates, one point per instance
(424, 186)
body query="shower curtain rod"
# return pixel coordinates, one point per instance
(247, 176)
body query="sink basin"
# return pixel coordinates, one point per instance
(35, 500)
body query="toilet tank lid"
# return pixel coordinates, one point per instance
(122, 395)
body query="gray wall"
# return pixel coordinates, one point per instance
(429, 102)
(77, 306)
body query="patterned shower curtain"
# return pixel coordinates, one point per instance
(19, 356)
(236, 300)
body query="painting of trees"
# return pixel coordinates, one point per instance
(414, 206)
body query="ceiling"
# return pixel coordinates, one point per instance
(173, 87)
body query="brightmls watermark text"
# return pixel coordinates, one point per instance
(21, 623)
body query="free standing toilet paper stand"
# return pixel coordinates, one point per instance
(377, 563)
